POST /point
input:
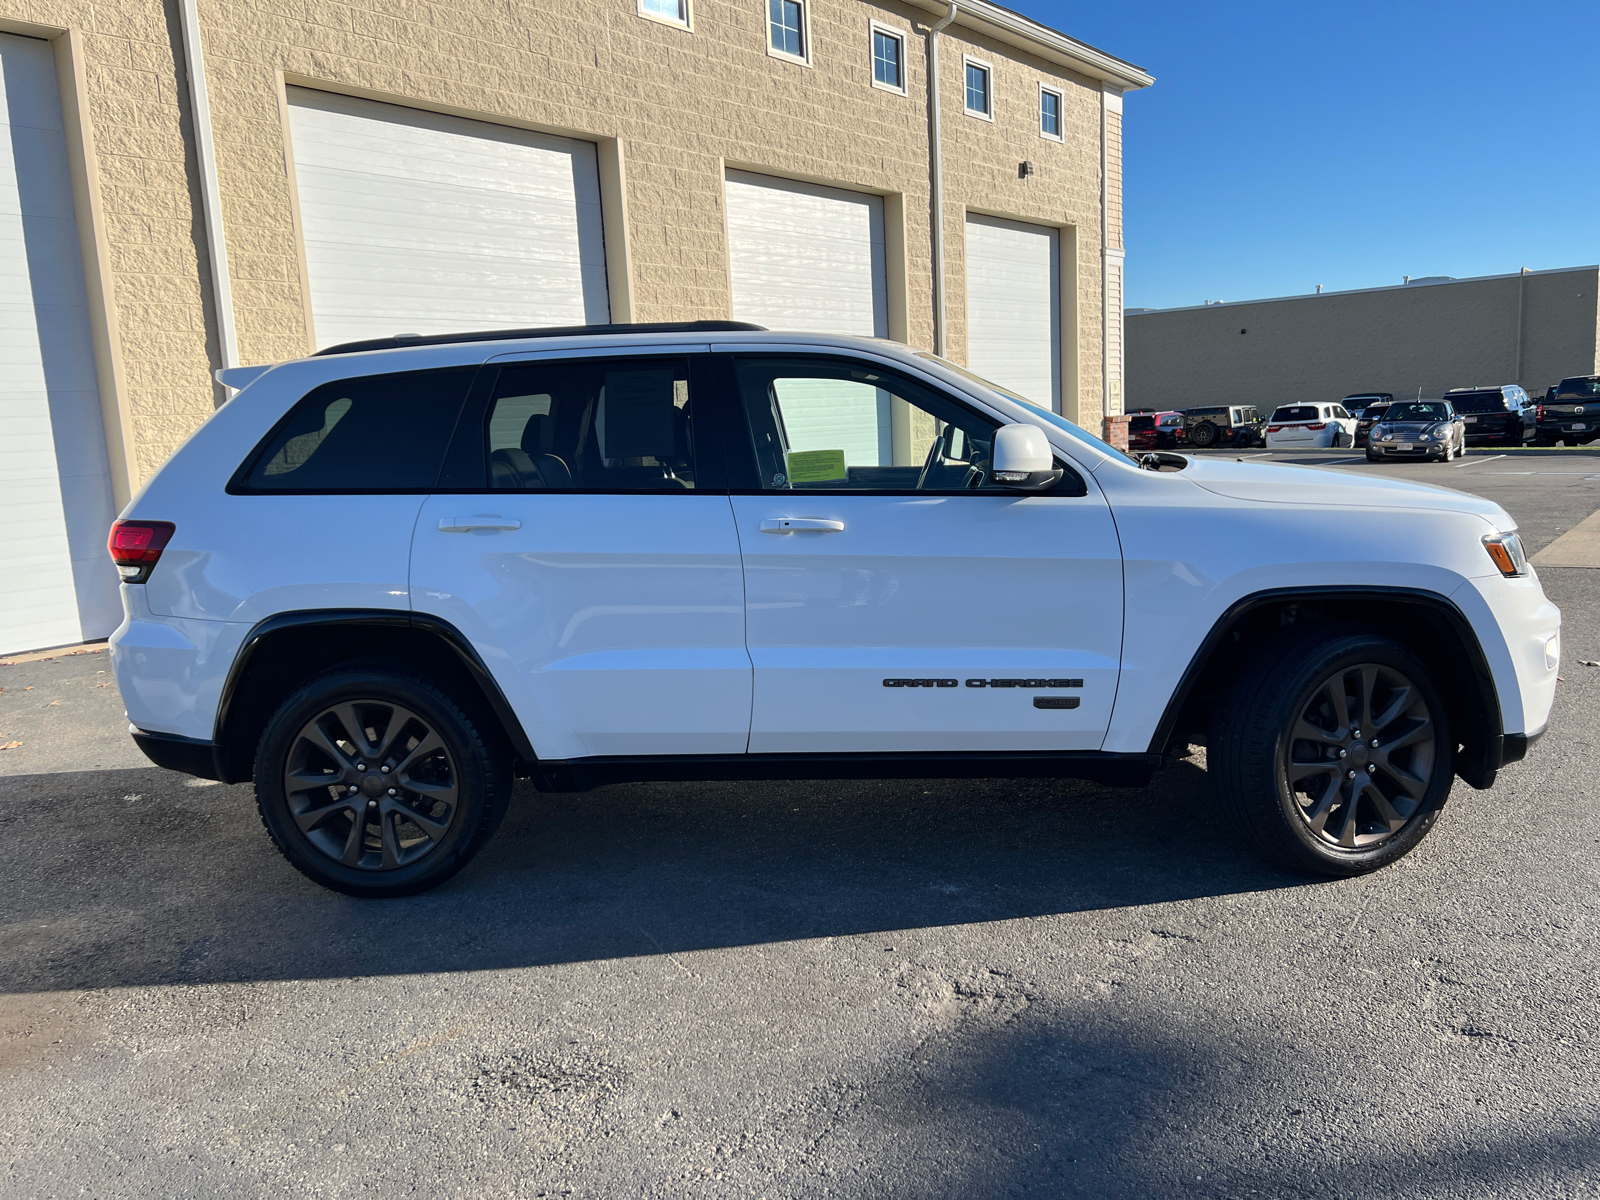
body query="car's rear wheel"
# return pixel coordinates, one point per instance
(1334, 753)
(373, 782)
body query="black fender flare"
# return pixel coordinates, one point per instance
(1477, 766)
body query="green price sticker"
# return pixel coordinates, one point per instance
(816, 466)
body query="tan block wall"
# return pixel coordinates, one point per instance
(1318, 348)
(682, 105)
(148, 197)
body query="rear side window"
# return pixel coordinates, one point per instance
(377, 433)
(603, 425)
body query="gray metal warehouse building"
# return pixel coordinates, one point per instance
(1532, 328)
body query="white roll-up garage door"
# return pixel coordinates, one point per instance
(416, 222)
(1014, 307)
(57, 585)
(804, 257)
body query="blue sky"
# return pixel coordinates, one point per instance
(1290, 144)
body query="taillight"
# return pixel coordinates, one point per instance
(1538, 413)
(1317, 425)
(136, 547)
(1274, 428)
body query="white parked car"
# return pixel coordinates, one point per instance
(1303, 426)
(384, 581)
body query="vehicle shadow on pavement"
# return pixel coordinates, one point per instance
(144, 877)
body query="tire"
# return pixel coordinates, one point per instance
(437, 785)
(1293, 796)
(1371, 457)
(1204, 435)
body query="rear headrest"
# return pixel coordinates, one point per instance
(638, 414)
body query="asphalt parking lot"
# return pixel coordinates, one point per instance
(913, 989)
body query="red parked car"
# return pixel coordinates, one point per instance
(1156, 431)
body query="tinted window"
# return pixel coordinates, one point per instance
(1478, 402)
(1142, 424)
(1581, 388)
(1338, 411)
(837, 425)
(1373, 411)
(379, 433)
(1296, 412)
(607, 425)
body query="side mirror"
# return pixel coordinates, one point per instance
(1022, 459)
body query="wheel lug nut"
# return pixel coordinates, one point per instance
(391, 792)
(1371, 767)
(385, 768)
(1350, 775)
(361, 766)
(353, 789)
(1374, 741)
(1342, 753)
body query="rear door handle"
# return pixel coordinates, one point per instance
(791, 524)
(482, 521)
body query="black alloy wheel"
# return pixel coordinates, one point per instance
(1203, 434)
(1334, 752)
(374, 783)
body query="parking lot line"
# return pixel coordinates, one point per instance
(1474, 461)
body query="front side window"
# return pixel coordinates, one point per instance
(378, 433)
(786, 27)
(978, 89)
(607, 425)
(1050, 113)
(888, 53)
(836, 425)
(676, 11)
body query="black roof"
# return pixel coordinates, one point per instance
(505, 335)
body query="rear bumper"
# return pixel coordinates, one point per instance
(177, 753)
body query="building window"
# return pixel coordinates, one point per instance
(980, 98)
(675, 12)
(1049, 113)
(888, 59)
(786, 28)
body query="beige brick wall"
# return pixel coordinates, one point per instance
(1433, 337)
(680, 104)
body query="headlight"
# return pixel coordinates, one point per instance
(1439, 431)
(1378, 431)
(1506, 550)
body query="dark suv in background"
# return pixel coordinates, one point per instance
(1225, 425)
(1504, 416)
(1368, 414)
(1571, 412)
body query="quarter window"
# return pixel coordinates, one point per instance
(888, 59)
(606, 425)
(979, 99)
(1049, 113)
(675, 11)
(786, 21)
(378, 433)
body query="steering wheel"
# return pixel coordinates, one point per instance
(934, 453)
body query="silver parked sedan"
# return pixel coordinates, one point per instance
(1418, 429)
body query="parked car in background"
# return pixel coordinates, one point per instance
(1367, 417)
(1570, 413)
(1156, 431)
(1225, 425)
(1359, 402)
(1310, 426)
(1497, 416)
(1418, 429)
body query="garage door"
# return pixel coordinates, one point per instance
(57, 585)
(416, 222)
(1014, 307)
(811, 258)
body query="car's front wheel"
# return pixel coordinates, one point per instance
(1334, 753)
(373, 782)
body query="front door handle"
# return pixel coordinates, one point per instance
(791, 524)
(481, 521)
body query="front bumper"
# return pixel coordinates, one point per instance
(1418, 449)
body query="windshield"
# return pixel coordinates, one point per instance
(1056, 420)
(1374, 411)
(1418, 410)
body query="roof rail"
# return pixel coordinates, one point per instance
(400, 340)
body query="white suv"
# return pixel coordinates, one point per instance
(385, 580)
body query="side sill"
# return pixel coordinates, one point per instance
(189, 755)
(585, 774)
